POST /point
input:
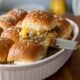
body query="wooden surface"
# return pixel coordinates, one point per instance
(71, 70)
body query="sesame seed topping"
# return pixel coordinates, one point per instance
(18, 12)
(5, 18)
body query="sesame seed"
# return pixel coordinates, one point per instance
(18, 12)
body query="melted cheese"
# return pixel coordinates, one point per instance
(25, 31)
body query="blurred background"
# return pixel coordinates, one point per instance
(59, 7)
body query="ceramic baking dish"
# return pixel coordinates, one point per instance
(38, 70)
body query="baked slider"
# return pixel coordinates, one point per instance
(65, 31)
(39, 26)
(5, 45)
(11, 33)
(17, 14)
(12, 18)
(26, 51)
(6, 21)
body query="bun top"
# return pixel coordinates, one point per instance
(17, 14)
(26, 51)
(38, 20)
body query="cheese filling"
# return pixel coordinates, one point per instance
(37, 36)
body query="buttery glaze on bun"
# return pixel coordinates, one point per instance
(11, 33)
(6, 21)
(5, 45)
(26, 51)
(65, 27)
(38, 20)
(17, 14)
(66, 30)
(12, 18)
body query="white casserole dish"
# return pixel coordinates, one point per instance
(41, 69)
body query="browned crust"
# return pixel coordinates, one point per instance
(66, 30)
(6, 21)
(42, 18)
(5, 45)
(26, 51)
(65, 27)
(17, 14)
(12, 18)
(11, 33)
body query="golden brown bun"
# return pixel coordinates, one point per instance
(5, 45)
(6, 21)
(38, 20)
(12, 17)
(17, 14)
(11, 33)
(66, 30)
(26, 51)
(65, 27)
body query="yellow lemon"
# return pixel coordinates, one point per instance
(58, 7)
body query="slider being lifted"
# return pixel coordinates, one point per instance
(39, 26)
(44, 27)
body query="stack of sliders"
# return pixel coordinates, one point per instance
(26, 37)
